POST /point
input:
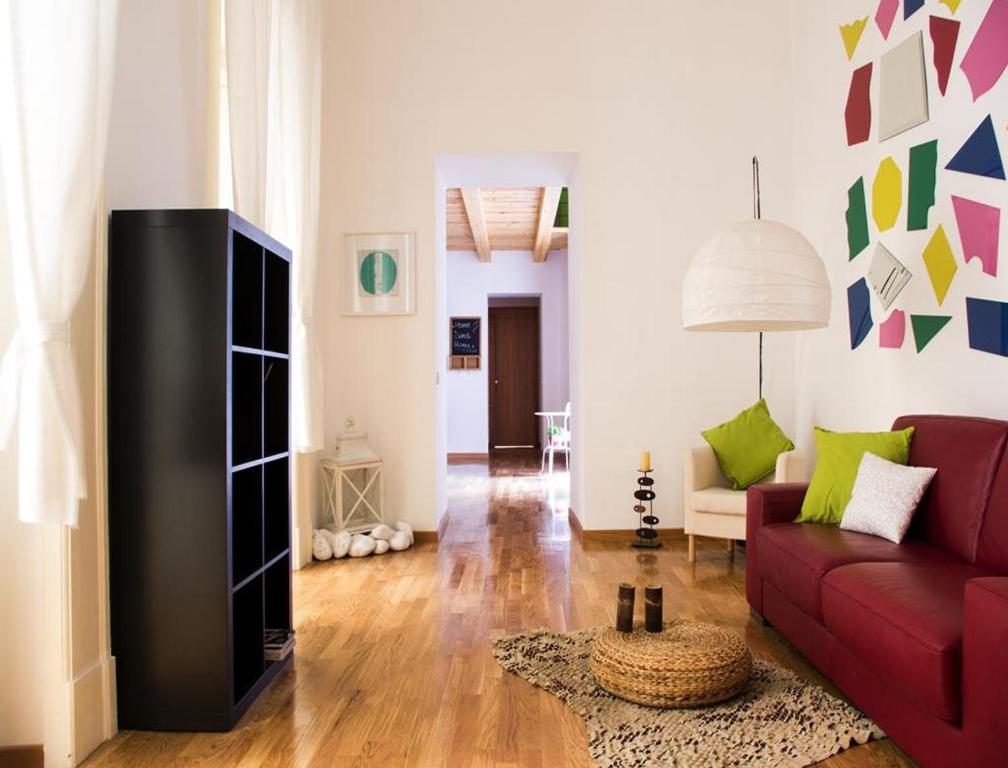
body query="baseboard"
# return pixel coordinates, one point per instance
(425, 537)
(27, 756)
(468, 458)
(93, 692)
(617, 534)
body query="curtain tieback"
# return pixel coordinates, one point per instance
(27, 336)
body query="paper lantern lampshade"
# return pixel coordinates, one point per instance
(756, 275)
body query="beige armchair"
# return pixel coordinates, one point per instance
(712, 508)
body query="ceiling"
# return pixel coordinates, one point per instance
(488, 219)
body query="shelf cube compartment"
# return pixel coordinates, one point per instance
(246, 292)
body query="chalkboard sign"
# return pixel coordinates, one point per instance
(465, 336)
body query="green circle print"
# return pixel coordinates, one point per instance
(378, 273)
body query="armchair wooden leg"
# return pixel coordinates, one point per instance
(691, 556)
(731, 548)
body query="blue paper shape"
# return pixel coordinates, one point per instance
(980, 154)
(858, 312)
(988, 325)
(910, 7)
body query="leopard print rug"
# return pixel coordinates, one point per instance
(780, 721)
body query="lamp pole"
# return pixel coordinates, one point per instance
(757, 214)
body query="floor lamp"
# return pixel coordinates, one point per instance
(756, 275)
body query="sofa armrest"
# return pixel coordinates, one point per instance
(766, 504)
(701, 470)
(985, 669)
(792, 467)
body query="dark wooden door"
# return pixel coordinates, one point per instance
(514, 376)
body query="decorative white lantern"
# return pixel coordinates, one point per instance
(354, 484)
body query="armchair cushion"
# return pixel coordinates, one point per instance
(747, 447)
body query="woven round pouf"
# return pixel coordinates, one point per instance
(688, 664)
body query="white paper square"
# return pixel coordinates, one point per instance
(903, 99)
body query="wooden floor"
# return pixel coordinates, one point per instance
(393, 664)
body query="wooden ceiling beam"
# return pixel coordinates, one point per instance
(544, 226)
(473, 202)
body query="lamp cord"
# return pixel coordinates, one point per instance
(757, 214)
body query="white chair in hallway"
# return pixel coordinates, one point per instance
(556, 437)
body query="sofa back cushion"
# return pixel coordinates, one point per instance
(968, 453)
(992, 551)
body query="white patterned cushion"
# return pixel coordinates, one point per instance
(885, 497)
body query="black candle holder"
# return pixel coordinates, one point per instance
(647, 535)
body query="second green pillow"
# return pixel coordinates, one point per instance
(837, 461)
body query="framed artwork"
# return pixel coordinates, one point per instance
(379, 274)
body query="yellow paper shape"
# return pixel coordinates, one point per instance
(953, 5)
(851, 34)
(940, 263)
(887, 194)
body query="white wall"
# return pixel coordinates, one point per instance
(868, 387)
(470, 284)
(663, 104)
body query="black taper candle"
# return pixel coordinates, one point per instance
(653, 608)
(624, 607)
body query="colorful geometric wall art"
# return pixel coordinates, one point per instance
(987, 56)
(940, 263)
(953, 5)
(893, 330)
(857, 113)
(980, 154)
(884, 16)
(858, 312)
(887, 276)
(988, 325)
(944, 33)
(979, 231)
(910, 7)
(851, 34)
(923, 163)
(926, 327)
(887, 194)
(903, 101)
(857, 219)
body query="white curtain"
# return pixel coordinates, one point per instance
(56, 61)
(274, 94)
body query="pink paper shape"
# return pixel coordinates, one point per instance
(979, 228)
(893, 330)
(987, 56)
(884, 16)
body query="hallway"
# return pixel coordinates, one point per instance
(393, 664)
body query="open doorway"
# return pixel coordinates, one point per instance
(506, 313)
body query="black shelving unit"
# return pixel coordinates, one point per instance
(199, 464)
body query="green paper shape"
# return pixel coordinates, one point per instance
(926, 327)
(923, 165)
(857, 220)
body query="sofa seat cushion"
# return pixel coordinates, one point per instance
(795, 557)
(722, 501)
(904, 621)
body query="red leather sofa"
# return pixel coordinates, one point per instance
(915, 634)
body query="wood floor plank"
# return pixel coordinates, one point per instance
(393, 664)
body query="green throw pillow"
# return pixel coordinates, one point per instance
(837, 462)
(747, 447)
